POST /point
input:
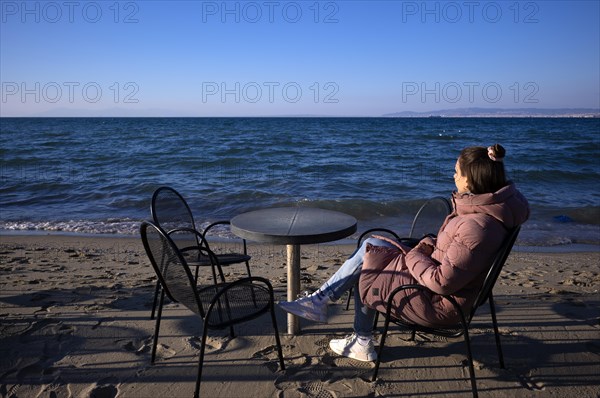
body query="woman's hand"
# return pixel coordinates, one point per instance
(426, 246)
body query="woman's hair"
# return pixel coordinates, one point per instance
(483, 167)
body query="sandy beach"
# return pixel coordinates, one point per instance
(74, 322)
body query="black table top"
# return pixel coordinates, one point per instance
(293, 225)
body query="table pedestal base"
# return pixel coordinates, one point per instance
(293, 282)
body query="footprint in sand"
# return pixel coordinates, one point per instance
(30, 373)
(270, 363)
(322, 372)
(50, 374)
(266, 353)
(323, 343)
(44, 327)
(213, 343)
(476, 364)
(359, 367)
(17, 329)
(9, 391)
(102, 321)
(346, 368)
(529, 383)
(294, 359)
(137, 346)
(301, 382)
(271, 358)
(316, 390)
(349, 367)
(104, 388)
(56, 389)
(94, 308)
(165, 352)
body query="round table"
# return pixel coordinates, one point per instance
(293, 226)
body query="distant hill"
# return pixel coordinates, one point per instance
(501, 112)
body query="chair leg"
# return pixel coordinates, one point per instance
(196, 275)
(201, 360)
(250, 276)
(381, 345)
(214, 269)
(496, 332)
(350, 291)
(228, 311)
(375, 321)
(277, 340)
(157, 326)
(470, 360)
(156, 291)
(214, 273)
(248, 269)
(247, 262)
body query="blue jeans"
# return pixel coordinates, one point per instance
(345, 278)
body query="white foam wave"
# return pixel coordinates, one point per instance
(114, 227)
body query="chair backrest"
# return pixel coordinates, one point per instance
(495, 269)
(171, 269)
(430, 216)
(170, 211)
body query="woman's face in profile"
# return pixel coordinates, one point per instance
(460, 180)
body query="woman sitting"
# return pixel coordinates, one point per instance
(485, 208)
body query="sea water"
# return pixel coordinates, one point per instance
(97, 175)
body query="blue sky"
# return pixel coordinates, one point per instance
(271, 58)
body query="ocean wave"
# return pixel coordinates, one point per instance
(533, 234)
(112, 227)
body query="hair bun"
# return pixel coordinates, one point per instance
(496, 152)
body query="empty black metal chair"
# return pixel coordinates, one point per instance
(219, 306)
(461, 329)
(427, 220)
(172, 213)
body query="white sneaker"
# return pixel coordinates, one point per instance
(351, 348)
(310, 307)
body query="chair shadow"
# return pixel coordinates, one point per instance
(96, 341)
(546, 345)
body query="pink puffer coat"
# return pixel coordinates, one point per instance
(463, 252)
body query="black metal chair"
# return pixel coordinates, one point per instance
(461, 329)
(429, 217)
(427, 220)
(172, 213)
(220, 306)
